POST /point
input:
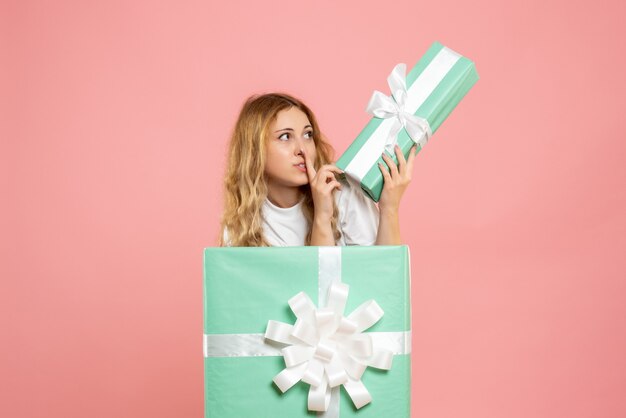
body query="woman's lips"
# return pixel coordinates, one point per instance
(300, 167)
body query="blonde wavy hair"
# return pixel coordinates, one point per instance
(245, 185)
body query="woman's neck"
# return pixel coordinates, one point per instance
(286, 197)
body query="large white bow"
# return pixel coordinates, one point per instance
(394, 106)
(326, 349)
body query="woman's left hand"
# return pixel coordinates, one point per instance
(396, 179)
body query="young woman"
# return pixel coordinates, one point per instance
(281, 190)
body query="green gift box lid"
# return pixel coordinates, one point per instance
(435, 86)
(244, 287)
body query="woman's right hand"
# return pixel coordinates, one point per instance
(323, 183)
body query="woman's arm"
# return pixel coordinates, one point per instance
(321, 232)
(396, 179)
(323, 184)
(388, 228)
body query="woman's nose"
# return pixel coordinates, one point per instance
(299, 145)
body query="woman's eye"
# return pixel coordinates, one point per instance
(309, 133)
(284, 139)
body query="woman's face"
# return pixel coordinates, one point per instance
(290, 133)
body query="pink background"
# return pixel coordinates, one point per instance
(114, 120)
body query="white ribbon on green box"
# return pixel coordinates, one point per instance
(323, 348)
(415, 109)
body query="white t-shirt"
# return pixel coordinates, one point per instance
(358, 220)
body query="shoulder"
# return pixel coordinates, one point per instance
(358, 215)
(352, 197)
(226, 238)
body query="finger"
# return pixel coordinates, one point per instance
(393, 168)
(310, 170)
(331, 167)
(401, 159)
(386, 175)
(409, 163)
(327, 176)
(322, 180)
(333, 185)
(329, 172)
